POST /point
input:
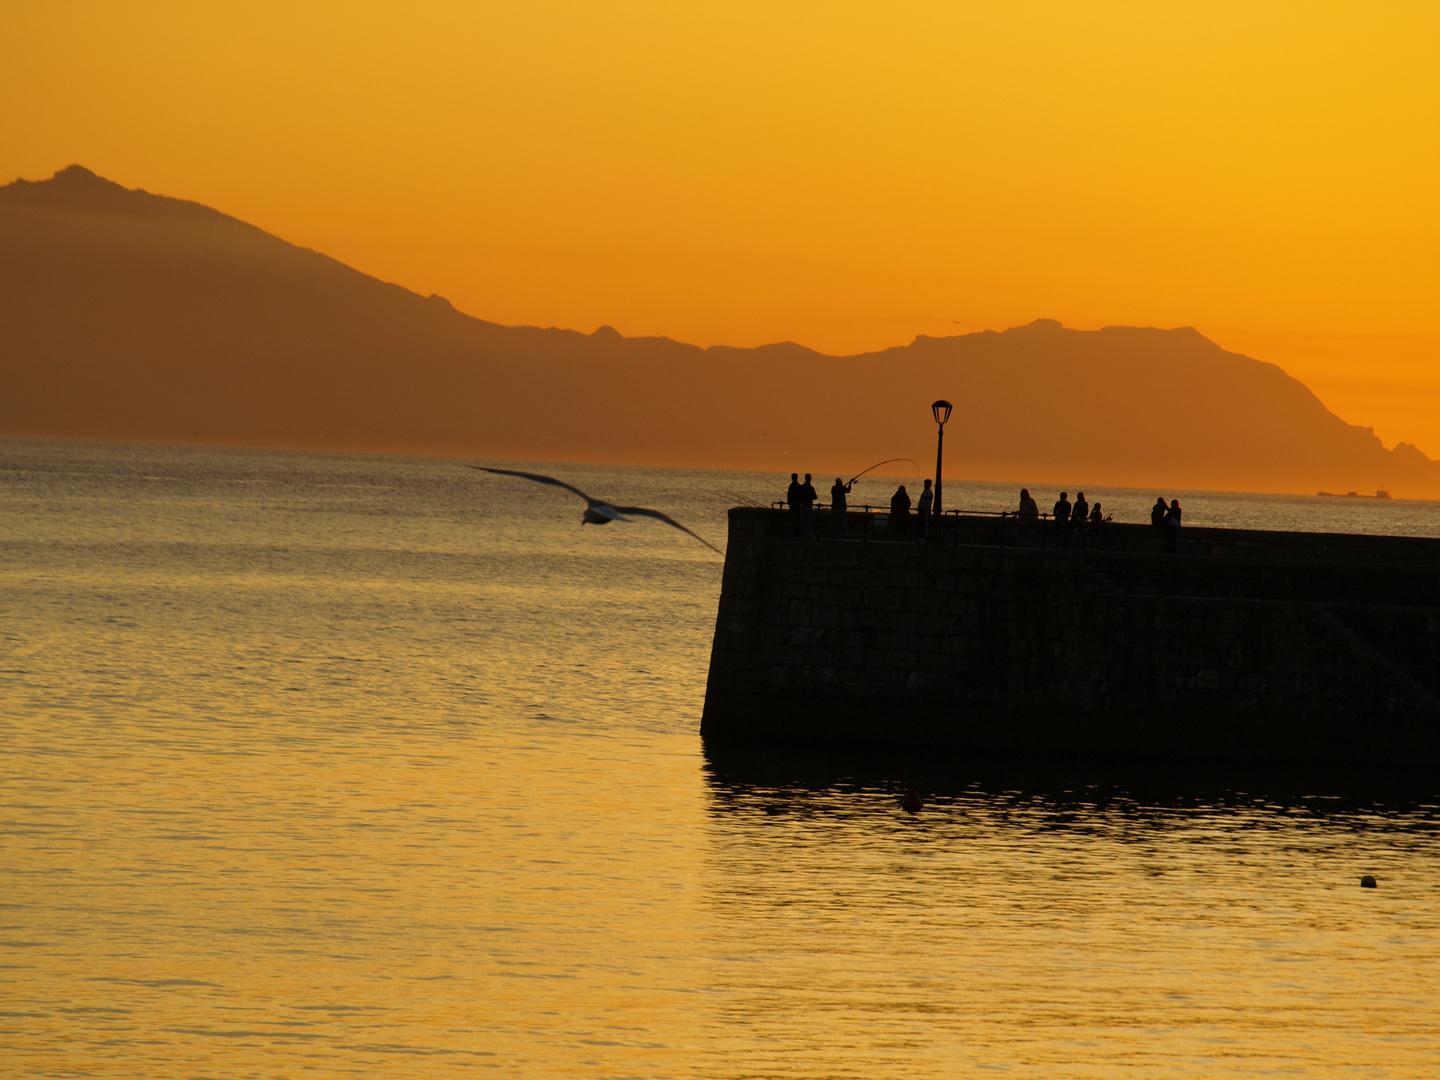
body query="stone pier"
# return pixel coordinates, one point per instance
(1242, 645)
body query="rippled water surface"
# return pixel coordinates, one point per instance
(342, 765)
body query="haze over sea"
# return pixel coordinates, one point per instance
(346, 765)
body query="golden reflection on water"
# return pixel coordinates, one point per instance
(341, 766)
(1067, 937)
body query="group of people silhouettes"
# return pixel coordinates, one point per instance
(1066, 516)
(801, 498)
(1166, 519)
(901, 527)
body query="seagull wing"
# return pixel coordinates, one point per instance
(539, 480)
(640, 511)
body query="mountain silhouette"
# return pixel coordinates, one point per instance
(129, 315)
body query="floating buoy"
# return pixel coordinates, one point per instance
(911, 801)
(1368, 882)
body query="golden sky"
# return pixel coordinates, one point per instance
(843, 175)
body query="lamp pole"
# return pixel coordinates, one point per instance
(941, 409)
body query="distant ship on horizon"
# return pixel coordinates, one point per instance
(1381, 494)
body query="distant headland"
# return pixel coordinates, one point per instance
(129, 315)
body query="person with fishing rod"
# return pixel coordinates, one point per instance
(840, 506)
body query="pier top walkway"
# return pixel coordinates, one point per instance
(1003, 529)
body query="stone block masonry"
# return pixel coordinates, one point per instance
(1244, 645)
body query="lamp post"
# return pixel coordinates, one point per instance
(941, 409)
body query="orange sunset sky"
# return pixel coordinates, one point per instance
(842, 175)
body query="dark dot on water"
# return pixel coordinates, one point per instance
(1368, 882)
(911, 801)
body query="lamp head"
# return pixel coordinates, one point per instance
(941, 409)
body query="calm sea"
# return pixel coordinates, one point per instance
(340, 765)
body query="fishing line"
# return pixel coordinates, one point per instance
(888, 461)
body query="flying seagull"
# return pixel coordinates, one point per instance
(597, 511)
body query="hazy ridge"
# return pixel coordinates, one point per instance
(134, 316)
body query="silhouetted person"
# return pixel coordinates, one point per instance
(1093, 525)
(792, 500)
(1029, 512)
(1172, 525)
(1080, 511)
(900, 513)
(839, 507)
(1062, 514)
(927, 500)
(808, 495)
(1158, 512)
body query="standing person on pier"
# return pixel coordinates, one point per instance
(839, 508)
(927, 500)
(807, 496)
(792, 502)
(1062, 515)
(900, 513)
(1029, 512)
(1172, 525)
(1158, 512)
(1028, 516)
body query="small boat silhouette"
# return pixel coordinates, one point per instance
(1381, 494)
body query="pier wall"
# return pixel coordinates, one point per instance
(1242, 644)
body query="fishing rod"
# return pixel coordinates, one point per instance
(888, 461)
(744, 500)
